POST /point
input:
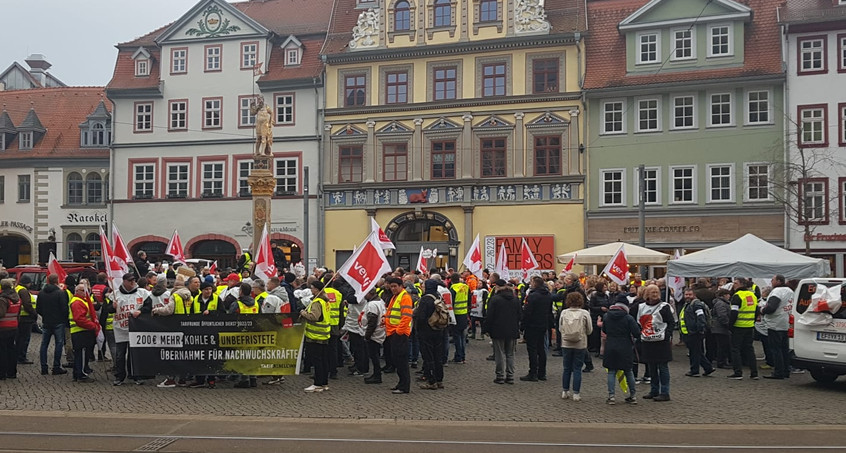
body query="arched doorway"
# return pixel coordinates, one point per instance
(155, 250)
(290, 246)
(215, 250)
(431, 230)
(15, 250)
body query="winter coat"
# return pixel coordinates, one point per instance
(598, 301)
(424, 309)
(587, 326)
(53, 306)
(720, 315)
(537, 312)
(620, 330)
(660, 351)
(694, 321)
(503, 317)
(706, 295)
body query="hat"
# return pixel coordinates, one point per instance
(209, 279)
(500, 282)
(130, 276)
(232, 277)
(205, 285)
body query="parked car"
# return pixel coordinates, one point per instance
(820, 349)
(38, 274)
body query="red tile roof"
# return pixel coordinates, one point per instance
(811, 11)
(310, 66)
(124, 76)
(605, 47)
(289, 17)
(60, 110)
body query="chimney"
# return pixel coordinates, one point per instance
(38, 67)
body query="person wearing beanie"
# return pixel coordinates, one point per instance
(619, 329)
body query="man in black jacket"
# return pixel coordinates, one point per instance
(537, 314)
(503, 325)
(53, 308)
(279, 258)
(431, 343)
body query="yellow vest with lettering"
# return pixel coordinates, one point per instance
(746, 313)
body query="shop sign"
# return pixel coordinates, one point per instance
(89, 218)
(14, 224)
(825, 237)
(543, 247)
(665, 229)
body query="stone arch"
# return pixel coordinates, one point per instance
(414, 216)
(210, 237)
(133, 244)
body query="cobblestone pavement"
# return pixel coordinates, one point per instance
(470, 395)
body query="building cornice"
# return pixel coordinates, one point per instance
(678, 211)
(229, 141)
(290, 84)
(651, 87)
(129, 93)
(458, 103)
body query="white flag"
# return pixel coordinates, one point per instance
(473, 260)
(265, 266)
(366, 266)
(421, 262)
(676, 283)
(501, 266)
(384, 241)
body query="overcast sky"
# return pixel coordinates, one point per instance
(78, 36)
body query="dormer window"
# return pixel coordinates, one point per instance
(142, 62)
(2, 142)
(95, 132)
(293, 51)
(292, 57)
(25, 140)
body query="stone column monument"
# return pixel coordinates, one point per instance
(261, 179)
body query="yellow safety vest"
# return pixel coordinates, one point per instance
(461, 298)
(180, 307)
(394, 316)
(110, 318)
(31, 298)
(212, 303)
(73, 327)
(318, 330)
(335, 299)
(682, 325)
(746, 313)
(70, 301)
(245, 310)
(559, 304)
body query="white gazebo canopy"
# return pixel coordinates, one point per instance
(751, 257)
(601, 254)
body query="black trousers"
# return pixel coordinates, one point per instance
(359, 352)
(537, 353)
(780, 350)
(8, 355)
(373, 350)
(742, 350)
(399, 356)
(723, 342)
(432, 350)
(83, 351)
(694, 342)
(319, 356)
(334, 351)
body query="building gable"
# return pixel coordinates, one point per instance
(664, 13)
(211, 20)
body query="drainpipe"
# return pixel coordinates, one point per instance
(786, 120)
(321, 213)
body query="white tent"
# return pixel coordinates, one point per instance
(749, 256)
(601, 254)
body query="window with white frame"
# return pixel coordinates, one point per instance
(684, 112)
(684, 47)
(177, 180)
(720, 40)
(613, 117)
(144, 117)
(178, 115)
(684, 184)
(213, 55)
(652, 184)
(212, 179)
(648, 48)
(648, 117)
(24, 188)
(245, 116)
(249, 55)
(842, 112)
(212, 113)
(285, 108)
(841, 197)
(179, 61)
(95, 187)
(144, 180)
(76, 189)
(812, 54)
(244, 169)
(720, 183)
(286, 176)
(841, 44)
(813, 123)
(757, 182)
(292, 56)
(720, 109)
(813, 200)
(25, 140)
(758, 107)
(142, 67)
(613, 187)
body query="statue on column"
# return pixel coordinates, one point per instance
(264, 126)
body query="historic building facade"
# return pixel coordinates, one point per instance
(450, 118)
(185, 134)
(814, 35)
(693, 90)
(54, 173)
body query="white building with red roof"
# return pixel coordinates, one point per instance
(184, 135)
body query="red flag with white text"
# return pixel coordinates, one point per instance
(114, 272)
(54, 267)
(120, 251)
(174, 248)
(421, 262)
(618, 268)
(473, 260)
(501, 266)
(384, 240)
(366, 266)
(213, 268)
(265, 265)
(527, 259)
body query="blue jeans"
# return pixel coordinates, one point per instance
(612, 382)
(660, 373)
(574, 359)
(57, 332)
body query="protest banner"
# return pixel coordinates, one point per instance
(257, 345)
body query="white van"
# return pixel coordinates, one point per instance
(818, 349)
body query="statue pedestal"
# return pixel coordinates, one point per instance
(262, 184)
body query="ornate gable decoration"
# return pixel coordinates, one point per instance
(349, 131)
(530, 17)
(212, 19)
(394, 128)
(494, 121)
(366, 32)
(548, 119)
(651, 15)
(212, 24)
(442, 124)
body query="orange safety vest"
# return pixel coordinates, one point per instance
(398, 315)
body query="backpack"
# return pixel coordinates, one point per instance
(572, 327)
(440, 317)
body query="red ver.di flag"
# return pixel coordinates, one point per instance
(54, 267)
(265, 266)
(618, 268)
(473, 260)
(501, 267)
(384, 240)
(113, 270)
(570, 264)
(174, 248)
(366, 266)
(527, 260)
(120, 251)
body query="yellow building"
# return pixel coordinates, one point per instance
(446, 119)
